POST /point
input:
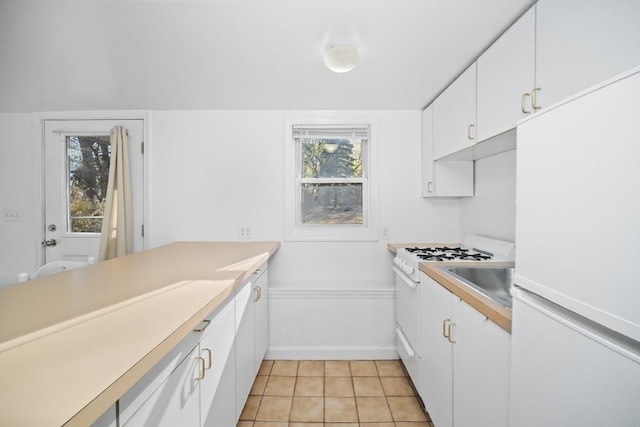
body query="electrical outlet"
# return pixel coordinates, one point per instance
(245, 233)
(11, 215)
(386, 233)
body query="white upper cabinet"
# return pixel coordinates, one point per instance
(580, 44)
(454, 115)
(443, 178)
(506, 78)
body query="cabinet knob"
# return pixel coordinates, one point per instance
(430, 187)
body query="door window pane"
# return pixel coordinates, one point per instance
(88, 159)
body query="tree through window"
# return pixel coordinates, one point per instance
(88, 175)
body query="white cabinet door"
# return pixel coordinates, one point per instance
(175, 402)
(581, 43)
(217, 388)
(436, 374)
(262, 316)
(108, 419)
(465, 362)
(454, 115)
(506, 78)
(443, 178)
(481, 369)
(245, 344)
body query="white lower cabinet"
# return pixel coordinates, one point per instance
(206, 379)
(436, 371)
(245, 345)
(218, 387)
(465, 362)
(481, 368)
(108, 419)
(261, 287)
(252, 333)
(174, 402)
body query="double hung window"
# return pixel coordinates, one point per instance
(330, 195)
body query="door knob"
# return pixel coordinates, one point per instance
(49, 243)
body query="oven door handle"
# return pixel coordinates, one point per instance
(405, 343)
(410, 283)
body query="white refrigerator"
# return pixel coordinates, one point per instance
(575, 355)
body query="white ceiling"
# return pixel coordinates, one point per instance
(237, 54)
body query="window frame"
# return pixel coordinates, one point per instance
(294, 229)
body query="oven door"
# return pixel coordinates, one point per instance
(407, 307)
(408, 323)
(409, 356)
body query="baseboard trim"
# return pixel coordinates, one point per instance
(332, 353)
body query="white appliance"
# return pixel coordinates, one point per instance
(407, 271)
(576, 317)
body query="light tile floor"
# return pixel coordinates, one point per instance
(332, 393)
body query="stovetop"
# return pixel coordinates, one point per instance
(473, 249)
(445, 253)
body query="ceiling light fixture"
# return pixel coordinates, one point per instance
(341, 57)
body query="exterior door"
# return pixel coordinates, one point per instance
(76, 170)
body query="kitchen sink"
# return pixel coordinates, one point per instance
(493, 282)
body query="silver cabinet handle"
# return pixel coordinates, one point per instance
(469, 131)
(258, 293)
(534, 100)
(201, 365)
(449, 333)
(444, 328)
(430, 187)
(202, 326)
(522, 103)
(258, 271)
(208, 366)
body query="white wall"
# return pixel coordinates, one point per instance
(215, 171)
(18, 174)
(492, 211)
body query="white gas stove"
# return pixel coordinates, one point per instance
(474, 248)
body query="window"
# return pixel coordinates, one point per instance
(330, 187)
(88, 159)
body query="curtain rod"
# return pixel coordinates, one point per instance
(84, 132)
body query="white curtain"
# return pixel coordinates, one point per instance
(116, 238)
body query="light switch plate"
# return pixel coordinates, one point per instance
(12, 215)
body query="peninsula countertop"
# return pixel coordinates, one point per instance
(71, 344)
